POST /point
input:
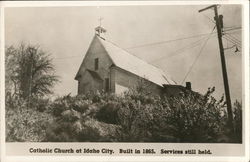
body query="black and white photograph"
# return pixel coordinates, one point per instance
(125, 74)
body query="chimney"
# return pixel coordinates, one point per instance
(188, 86)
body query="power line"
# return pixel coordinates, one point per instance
(189, 46)
(119, 47)
(127, 51)
(179, 51)
(231, 40)
(186, 48)
(229, 35)
(122, 48)
(61, 58)
(173, 40)
(200, 52)
(155, 43)
(168, 41)
(236, 28)
(209, 18)
(229, 27)
(234, 32)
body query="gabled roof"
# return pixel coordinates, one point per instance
(126, 61)
(135, 65)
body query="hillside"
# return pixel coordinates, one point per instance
(133, 117)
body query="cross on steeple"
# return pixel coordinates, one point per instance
(99, 29)
(100, 20)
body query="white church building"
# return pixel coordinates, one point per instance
(107, 67)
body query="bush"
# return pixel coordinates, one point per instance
(24, 124)
(238, 121)
(78, 103)
(108, 113)
(195, 118)
(74, 120)
(189, 117)
(133, 117)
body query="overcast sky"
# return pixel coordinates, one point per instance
(66, 33)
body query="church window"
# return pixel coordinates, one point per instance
(96, 64)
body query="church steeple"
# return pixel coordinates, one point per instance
(99, 30)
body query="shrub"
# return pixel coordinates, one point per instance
(133, 117)
(108, 113)
(189, 117)
(238, 121)
(78, 103)
(24, 124)
(75, 120)
(196, 118)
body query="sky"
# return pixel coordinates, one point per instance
(66, 33)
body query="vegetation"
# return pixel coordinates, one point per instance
(136, 116)
(26, 124)
(29, 77)
(29, 71)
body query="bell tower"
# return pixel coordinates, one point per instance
(99, 30)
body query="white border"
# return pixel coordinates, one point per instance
(129, 158)
(246, 67)
(114, 3)
(2, 85)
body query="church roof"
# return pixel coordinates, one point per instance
(124, 60)
(94, 74)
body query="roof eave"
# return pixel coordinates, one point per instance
(77, 74)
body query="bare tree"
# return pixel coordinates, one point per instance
(29, 71)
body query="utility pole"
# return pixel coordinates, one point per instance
(219, 25)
